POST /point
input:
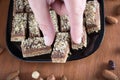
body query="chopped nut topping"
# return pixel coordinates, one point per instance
(90, 12)
(61, 42)
(92, 15)
(19, 6)
(63, 36)
(19, 24)
(65, 24)
(60, 46)
(54, 19)
(34, 47)
(33, 43)
(33, 26)
(27, 6)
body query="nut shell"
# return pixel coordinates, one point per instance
(13, 75)
(63, 78)
(111, 20)
(110, 75)
(51, 77)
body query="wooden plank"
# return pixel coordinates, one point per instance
(89, 68)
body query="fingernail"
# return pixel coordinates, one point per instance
(47, 41)
(78, 40)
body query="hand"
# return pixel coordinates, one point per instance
(73, 8)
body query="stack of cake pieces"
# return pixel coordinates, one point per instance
(19, 25)
(34, 45)
(61, 48)
(22, 6)
(92, 15)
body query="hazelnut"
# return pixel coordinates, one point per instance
(35, 75)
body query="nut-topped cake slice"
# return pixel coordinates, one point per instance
(27, 6)
(92, 15)
(18, 6)
(33, 26)
(83, 43)
(61, 48)
(19, 25)
(34, 47)
(65, 24)
(54, 19)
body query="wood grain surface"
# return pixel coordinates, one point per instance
(89, 68)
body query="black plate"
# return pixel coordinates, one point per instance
(94, 41)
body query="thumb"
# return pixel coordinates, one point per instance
(75, 9)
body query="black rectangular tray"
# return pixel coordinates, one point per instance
(94, 41)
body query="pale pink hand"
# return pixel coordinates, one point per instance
(73, 8)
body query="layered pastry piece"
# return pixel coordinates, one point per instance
(61, 48)
(83, 42)
(34, 47)
(18, 6)
(65, 24)
(33, 26)
(92, 15)
(54, 20)
(27, 6)
(19, 25)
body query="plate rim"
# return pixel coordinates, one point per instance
(68, 60)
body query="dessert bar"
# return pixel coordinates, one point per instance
(27, 6)
(34, 47)
(33, 26)
(92, 15)
(83, 42)
(54, 19)
(19, 25)
(65, 24)
(18, 6)
(61, 48)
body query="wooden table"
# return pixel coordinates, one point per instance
(89, 68)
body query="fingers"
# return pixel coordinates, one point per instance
(41, 11)
(59, 7)
(75, 9)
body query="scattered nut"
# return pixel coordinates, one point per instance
(35, 75)
(13, 76)
(51, 77)
(111, 65)
(16, 78)
(63, 78)
(110, 75)
(41, 78)
(111, 20)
